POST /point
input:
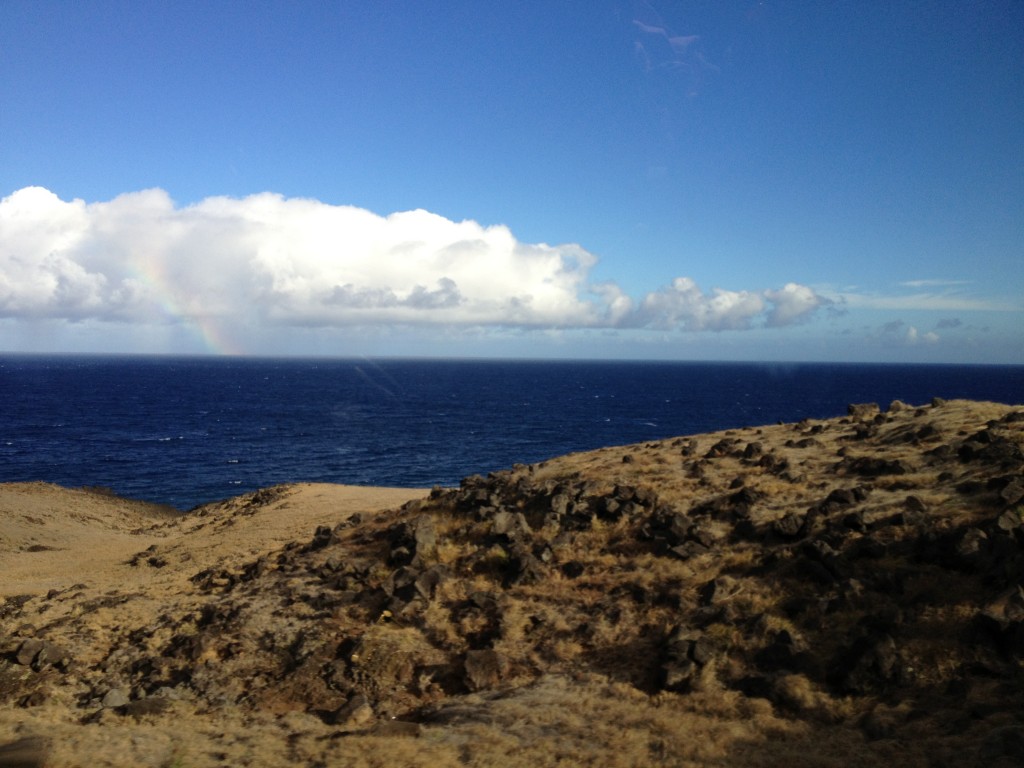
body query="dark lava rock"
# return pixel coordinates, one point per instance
(753, 450)
(573, 569)
(843, 497)
(354, 713)
(1011, 520)
(428, 581)
(718, 589)
(414, 540)
(1013, 493)
(807, 442)
(773, 463)
(871, 466)
(153, 705)
(683, 657)
(35, 699)
(40, 654)
(484, 669)
(323, 536)
(990, 447)
(823, 562)
(525, 567)
(510, 524)
(790, 526)
(1005, 635)
(870, 665)
(914, 504)
(724, 447)
(863, 411)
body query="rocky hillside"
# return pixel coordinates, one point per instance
(836, 592)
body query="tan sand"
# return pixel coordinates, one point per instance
(53, 537)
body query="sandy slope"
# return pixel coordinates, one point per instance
(98, 563)
(53, 537)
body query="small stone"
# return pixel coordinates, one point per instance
(1013, 493)
(510, 524)
(355, 713)
(789, 527)
(484, 669)
(115, 697)
(154, 705)
(861, 411)
(1009, 520)
(28, 650)
(914, 504)
(50, 654)
(34, 699)
(321, 538)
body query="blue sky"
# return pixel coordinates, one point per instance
(714, 180)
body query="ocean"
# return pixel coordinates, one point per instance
(184, 431)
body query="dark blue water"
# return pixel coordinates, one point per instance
(189, 430)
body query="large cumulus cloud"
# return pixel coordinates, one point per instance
(266, 259)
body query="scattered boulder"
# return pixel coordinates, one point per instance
(870, 665)
(820, 593)
(1013, 492)
(414, 540)
(862, 411)
(871, 466)
(791, 526)
(40, 654)
(353, 714)
(484, 669)
(512, 525)
(151, 705)
(115, 697)
(684, 656)
(322, 537)
(724, 447)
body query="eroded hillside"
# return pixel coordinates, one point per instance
(844, 592)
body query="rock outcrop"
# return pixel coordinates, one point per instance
(863, 573)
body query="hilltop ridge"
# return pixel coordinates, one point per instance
(833, 592)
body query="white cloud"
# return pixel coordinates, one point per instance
(684, 305)
(913, 336)
(289, 260)
(792, 303)
(937, 302)
(934, 283)
(265, 261)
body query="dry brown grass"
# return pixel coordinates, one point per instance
(259, 659)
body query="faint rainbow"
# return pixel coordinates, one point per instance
(215, 340)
